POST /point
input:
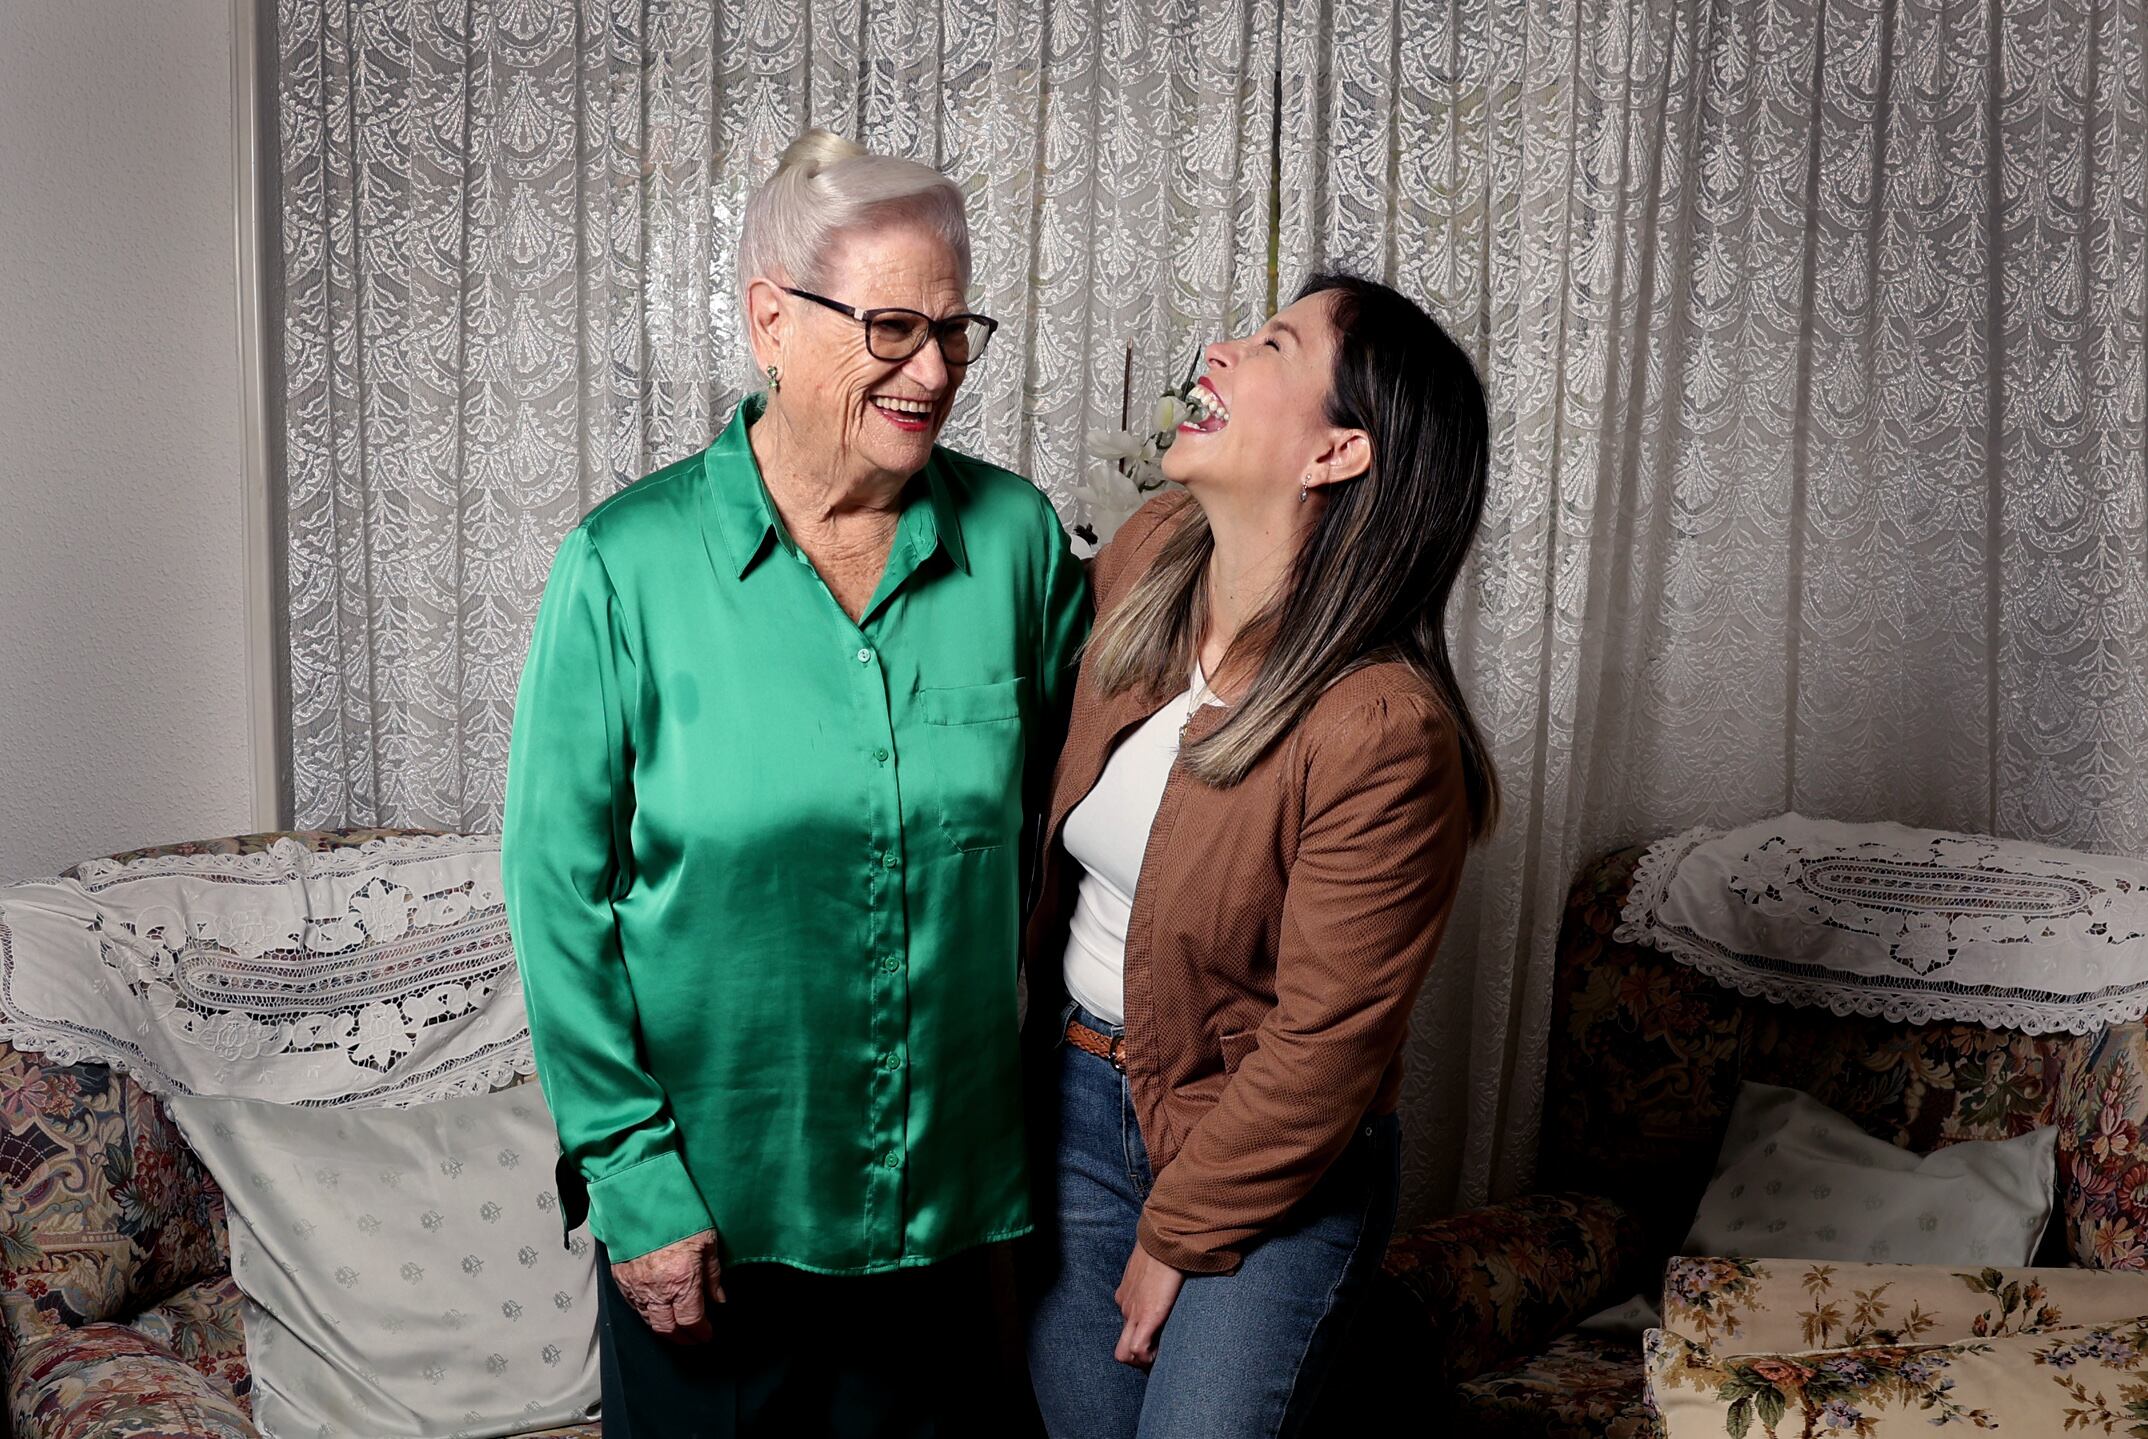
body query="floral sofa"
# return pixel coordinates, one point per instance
(1646, 1059)
(118, 1315)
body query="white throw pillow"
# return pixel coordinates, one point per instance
(1796, 1180)
(403, 1269)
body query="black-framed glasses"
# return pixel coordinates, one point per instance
(895, 334)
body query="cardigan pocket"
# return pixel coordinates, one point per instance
(973, 739)
(1236, 1046)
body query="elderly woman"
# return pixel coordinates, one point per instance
(788, 709)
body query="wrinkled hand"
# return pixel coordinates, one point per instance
(1145, 1296)
(670, 1287)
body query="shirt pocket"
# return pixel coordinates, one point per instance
(973, 741)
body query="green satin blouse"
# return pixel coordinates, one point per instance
(763, 865)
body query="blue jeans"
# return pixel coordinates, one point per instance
(1243, 1354)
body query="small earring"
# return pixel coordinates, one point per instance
(775, 379)
(1303, 489)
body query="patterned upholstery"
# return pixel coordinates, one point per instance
(1509, 1278)
(118, 1316)
(1580, 1387)
(1646, 1059)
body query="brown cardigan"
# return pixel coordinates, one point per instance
(1280, 931)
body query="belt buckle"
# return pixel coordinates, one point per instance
(1118, 1053)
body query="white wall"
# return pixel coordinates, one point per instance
(123, 676)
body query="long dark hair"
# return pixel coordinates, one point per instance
(1371, 581)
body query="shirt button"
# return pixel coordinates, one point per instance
(891, 1061)
(865, 657)
(893, 1161)
(891, 964)
(888, 859)
(881, 755)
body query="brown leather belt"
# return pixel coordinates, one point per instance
(1103, 1046)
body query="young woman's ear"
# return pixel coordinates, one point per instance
(1348, 455)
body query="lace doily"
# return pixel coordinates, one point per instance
(373, 974)
(1911, 925)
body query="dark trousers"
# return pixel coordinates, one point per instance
(916, 1354)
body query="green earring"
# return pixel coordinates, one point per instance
(775, 379)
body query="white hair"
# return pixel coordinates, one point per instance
(826, 187)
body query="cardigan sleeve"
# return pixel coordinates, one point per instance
(1379, 860)
(564, 859)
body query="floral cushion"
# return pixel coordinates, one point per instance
(2091, 1377)
(1739, 1306)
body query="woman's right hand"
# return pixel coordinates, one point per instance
(670, 1288)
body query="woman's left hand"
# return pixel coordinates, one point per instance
(1145, 1297)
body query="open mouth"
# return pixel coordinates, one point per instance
(1210, 414)
(904, 413)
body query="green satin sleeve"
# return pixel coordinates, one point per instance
(1065, 630)
(564, 857)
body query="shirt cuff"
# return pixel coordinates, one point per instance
(646, 1206)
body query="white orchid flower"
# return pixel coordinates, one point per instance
(1117, 445)
(1106, 498)
(1171, 412)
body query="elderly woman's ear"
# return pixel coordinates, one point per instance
(764, 322)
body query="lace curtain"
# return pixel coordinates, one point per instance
(1814, 334)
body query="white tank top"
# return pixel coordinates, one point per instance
(1108, 832)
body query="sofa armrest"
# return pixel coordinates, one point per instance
(105, 1381)
(104, 1211)
(1505, 1280)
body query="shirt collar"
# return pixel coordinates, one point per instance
(738, 504)
(941, 521)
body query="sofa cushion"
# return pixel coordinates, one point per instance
(2046, 1382)
(1795, 1178)
(1739, 1306)
(403, 1269)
